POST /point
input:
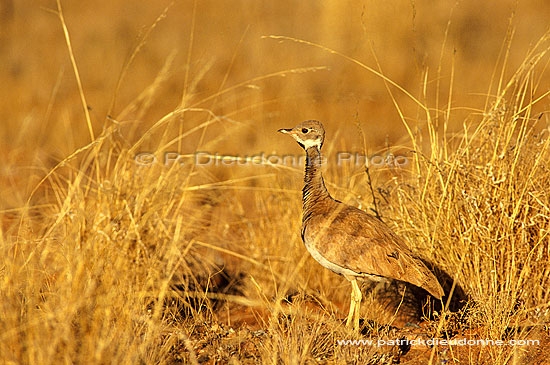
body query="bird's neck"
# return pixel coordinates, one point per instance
(314, 191)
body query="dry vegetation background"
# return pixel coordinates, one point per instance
(107, 261)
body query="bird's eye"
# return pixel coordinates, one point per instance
(304, 130)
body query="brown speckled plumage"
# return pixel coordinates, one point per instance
(347, 240)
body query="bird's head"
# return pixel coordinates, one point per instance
(308, 134)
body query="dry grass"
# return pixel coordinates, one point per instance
(105, 260)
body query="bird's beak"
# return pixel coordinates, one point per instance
(285, 130)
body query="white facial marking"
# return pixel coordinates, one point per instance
(311, 143)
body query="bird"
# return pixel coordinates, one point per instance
(348, 240)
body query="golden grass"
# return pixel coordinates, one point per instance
(106, 260)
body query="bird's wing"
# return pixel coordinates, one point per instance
(360, 242)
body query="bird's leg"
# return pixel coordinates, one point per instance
(351, 308)
(357, 296)
(355, 304)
